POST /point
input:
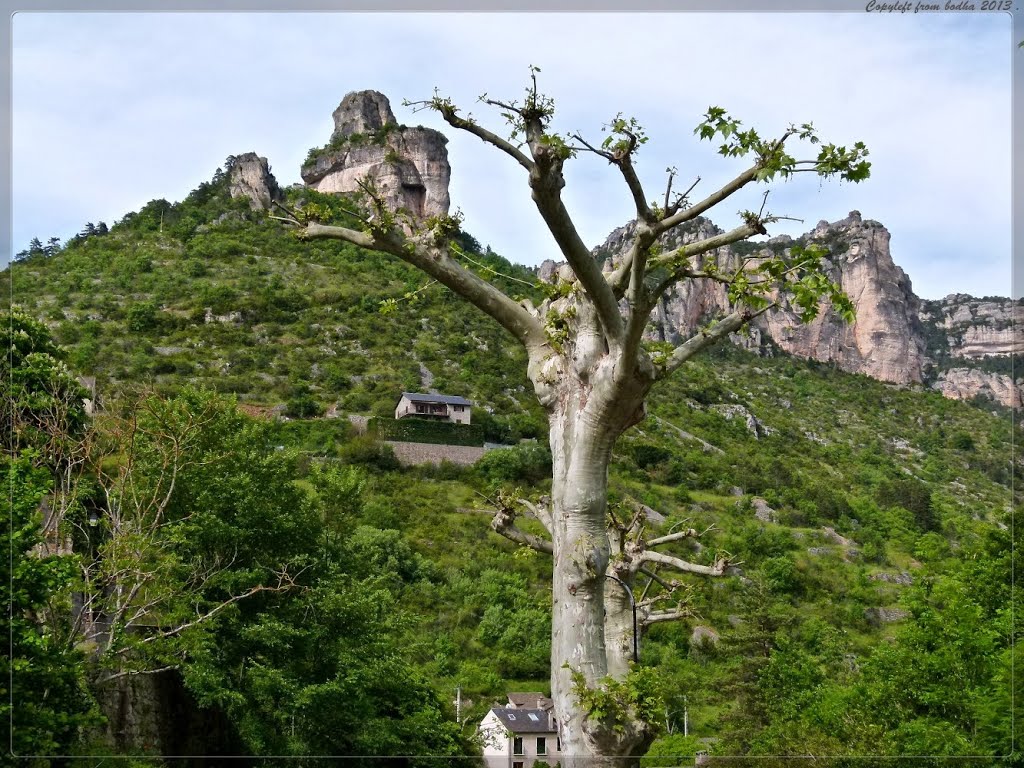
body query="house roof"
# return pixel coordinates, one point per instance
(530, 699)
(418, 397)
(524, 720)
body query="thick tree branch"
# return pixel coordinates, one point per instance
(718, 569)
(685, 252)
(656, 616)
(539, 511)
(504, 523)
(619, 278)
(656, 579)
(708, 336)
(437, 262)
(450, 116)
(546, 187)
(690, 533)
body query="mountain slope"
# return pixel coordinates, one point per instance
(872, 519)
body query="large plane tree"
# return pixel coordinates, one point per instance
(592, 371)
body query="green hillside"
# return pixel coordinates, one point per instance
(871, 613)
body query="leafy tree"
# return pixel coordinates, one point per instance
(43, 695)
(591, 371)
(142, 317)
(40, 398)
(302, 404)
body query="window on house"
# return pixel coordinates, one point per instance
(542, 745)
(517, 764)
(558, 743)
(517, 745)
(459, 408)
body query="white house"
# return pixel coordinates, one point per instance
(520, 733)
(449, 408)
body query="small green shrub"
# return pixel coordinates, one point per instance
(371, 453)
(529, 463)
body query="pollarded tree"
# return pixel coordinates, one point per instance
(592, 373)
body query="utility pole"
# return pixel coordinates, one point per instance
(458, 703)
(686, 718)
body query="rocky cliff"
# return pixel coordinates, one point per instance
(408, 165)
(974, 328)
(250, 177)
(884, 342)
(966, 383)
(896, 336)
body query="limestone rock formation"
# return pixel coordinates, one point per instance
(409, 166)
(896, 336)
(974, 327)
(966, 383)
(884, 342)
(250, 177)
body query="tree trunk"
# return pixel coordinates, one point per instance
(584, 427)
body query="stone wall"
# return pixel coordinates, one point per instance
(155, 715)
(410, 454)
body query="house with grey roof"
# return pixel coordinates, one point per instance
(520, 733)
(450, 408)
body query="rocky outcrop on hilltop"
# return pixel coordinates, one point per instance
(884, 342)
(896, 336)
(409, 166)
(250, 177)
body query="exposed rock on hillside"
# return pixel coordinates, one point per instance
(884, 342)
(250, 177)
(974, 327)
(408, 165)
(965, 383)
(896, 337)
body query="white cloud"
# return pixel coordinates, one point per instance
(111, 111)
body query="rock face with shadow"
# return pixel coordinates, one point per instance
(896, 337)
(409, 166)
(250, 177)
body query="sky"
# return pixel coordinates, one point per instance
(110, 111)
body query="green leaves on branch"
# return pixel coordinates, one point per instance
(640, 696)
(626, 136)
(798, 274)
(558, 146)
(444, 227)
(849, 164)
(737, 143)
(773, 160)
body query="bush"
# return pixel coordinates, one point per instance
(302, 404)
(371, 453)
(649, 455)
(667, 751)
(142, 317)
(529, 463)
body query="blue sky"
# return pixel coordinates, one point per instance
(113, 110)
